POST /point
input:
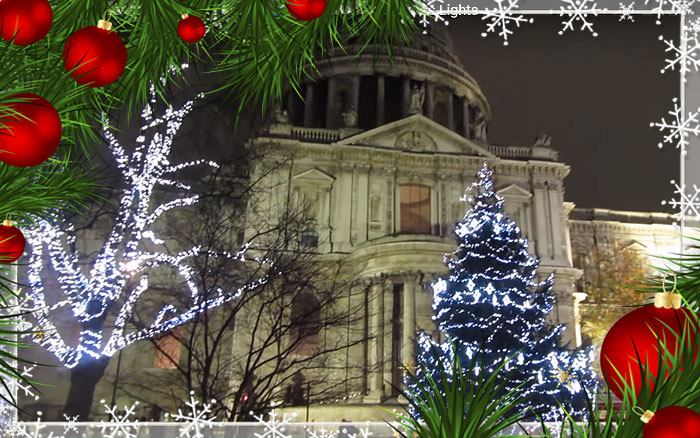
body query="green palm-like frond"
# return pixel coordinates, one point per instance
(466, 409)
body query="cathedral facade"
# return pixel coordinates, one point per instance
(379, 154)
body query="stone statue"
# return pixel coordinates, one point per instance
(350, 117)
(280, 116)
(543, 140)
(480, 127)
(417, 98)
(415, 141)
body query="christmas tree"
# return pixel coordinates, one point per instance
(491, 302)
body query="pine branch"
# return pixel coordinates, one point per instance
(41, 192)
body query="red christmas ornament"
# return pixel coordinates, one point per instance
(25, 143)
(28, 21)
(632, 330)
(98, 53)
(12, 243)
(191, 29)
(306, 10)
(671, 422)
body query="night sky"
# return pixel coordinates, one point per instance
(594, 96)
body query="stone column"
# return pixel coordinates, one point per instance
(387, 354)
(355, 93)
(556, 214)
(542, 238)
(409, 320)
(309, 105)
(331, 110)
(376, 343)
(429, 97)
(578, 297)
(406, 96)
(450, 111)
(380, 100)
(465, 116)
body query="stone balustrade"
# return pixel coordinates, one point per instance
(315, 135)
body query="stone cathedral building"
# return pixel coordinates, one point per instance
(381, 154)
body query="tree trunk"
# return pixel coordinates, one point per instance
(83, 380)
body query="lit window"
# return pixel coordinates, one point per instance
(305, 324)
(309, 239)
(415, 209)
(168, 349)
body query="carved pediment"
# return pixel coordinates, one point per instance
(314, 175)
(514, 191)
(416, 133)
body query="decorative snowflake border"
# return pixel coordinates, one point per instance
(680, 127)
(196, 420)
(687, 203)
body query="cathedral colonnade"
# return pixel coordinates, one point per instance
(392, 330)
(363, 101)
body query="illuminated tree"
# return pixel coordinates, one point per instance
(490, 298)
(99, 300)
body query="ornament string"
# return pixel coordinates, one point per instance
(675, 282)
(107, 15)
(668, 300)
(645, 416)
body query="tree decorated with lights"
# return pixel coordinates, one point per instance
(100, 302)
(491, 299)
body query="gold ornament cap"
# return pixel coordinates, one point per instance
(7, 223)
(646, 416)
(667, 301)
(184, 16)
(104, 24)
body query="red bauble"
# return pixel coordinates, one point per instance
(632, 330)
(12, 243)
(25, 143)
(306, 10)
(28, 21)
(98, 53)
(191, 29)
(673, 422)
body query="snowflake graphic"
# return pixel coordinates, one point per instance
(626, 11)
(684, 55)
(578, 10)
(26, 388)
(275, 427)
(195, 420)
(363, 433)
(501, 16)
(429, 9)
(119, 423)
(687, 203)
(681, 128)
(23, 430)
(676, 7)
(682, 7)
(71, 424)
(554, 427)
(322, 433)
(694, 27)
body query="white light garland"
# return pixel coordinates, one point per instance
(491, 291)
(125, 254)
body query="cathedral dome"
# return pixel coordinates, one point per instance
(370, 90)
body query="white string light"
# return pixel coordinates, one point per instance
(491, 291)
(131, 249)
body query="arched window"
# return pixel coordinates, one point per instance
(305, 324)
